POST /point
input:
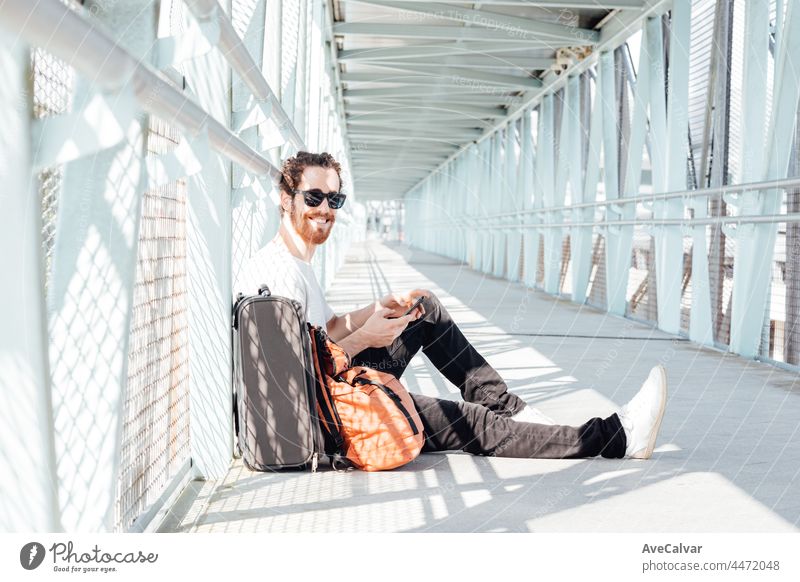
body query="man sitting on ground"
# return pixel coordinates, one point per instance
(491, 420)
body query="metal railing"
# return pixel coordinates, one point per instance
(84, 44)
(240, 60)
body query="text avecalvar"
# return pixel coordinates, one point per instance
(671, 549)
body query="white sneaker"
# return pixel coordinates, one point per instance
(530, 414)
(641, 417)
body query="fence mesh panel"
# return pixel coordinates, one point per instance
(641, 290)
(686, 284)
(53, 83)
(565, 273)
(540, 263)
(155, 442)
(791, 280)
(596, 294)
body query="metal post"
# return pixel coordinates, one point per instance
(756, 53)
(512, 236)
(700, 322)
(474, 190)
(499, 192)
(91, 297)
(622, 237)
(617, 261)
(209, 286)
(485, 253)
(750, 299)
(525, 188)
(582, 243)
(552, 237)
(532, 249)
(668, 239)
(28, 477)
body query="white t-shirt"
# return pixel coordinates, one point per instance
(288, 276)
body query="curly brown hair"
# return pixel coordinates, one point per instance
(292, 169)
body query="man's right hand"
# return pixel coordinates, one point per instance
(380, 330)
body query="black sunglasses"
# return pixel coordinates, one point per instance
(315, 197)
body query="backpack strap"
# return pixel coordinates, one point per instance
(328, 414)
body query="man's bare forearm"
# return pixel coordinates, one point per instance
(354, 343)
(344, 325)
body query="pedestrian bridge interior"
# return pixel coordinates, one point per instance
(591, 188)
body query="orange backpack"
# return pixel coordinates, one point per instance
(368, 414)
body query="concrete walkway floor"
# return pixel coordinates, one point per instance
(727, 460)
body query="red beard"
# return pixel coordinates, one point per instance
(311, 233)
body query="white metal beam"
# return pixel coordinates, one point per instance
(499, 99)
(28, 477)
(395, 149)
(755, 280)
(458, 134)
(468, 60)
(50, 24)
(458, 76)
(442, 48)
(434, 104)
(511, 200)
(572, 144)
(514, 26)
(91, 300)
(554, 192)
(426, 121)
(427, 78)
(390, 166)
(588, 4)
(438, 32)
(617, 263)
(581, 241)
(463, 92)
(525, 185)
(456, 110)
(499, 192)
(240, 59)
(669, 239)
(380, 138)
(371, 153)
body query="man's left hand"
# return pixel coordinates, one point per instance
(400, 302)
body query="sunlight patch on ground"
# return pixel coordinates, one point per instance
(698, 502)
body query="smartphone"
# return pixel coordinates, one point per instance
(413, 307)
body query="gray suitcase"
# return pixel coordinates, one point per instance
(275, 406)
